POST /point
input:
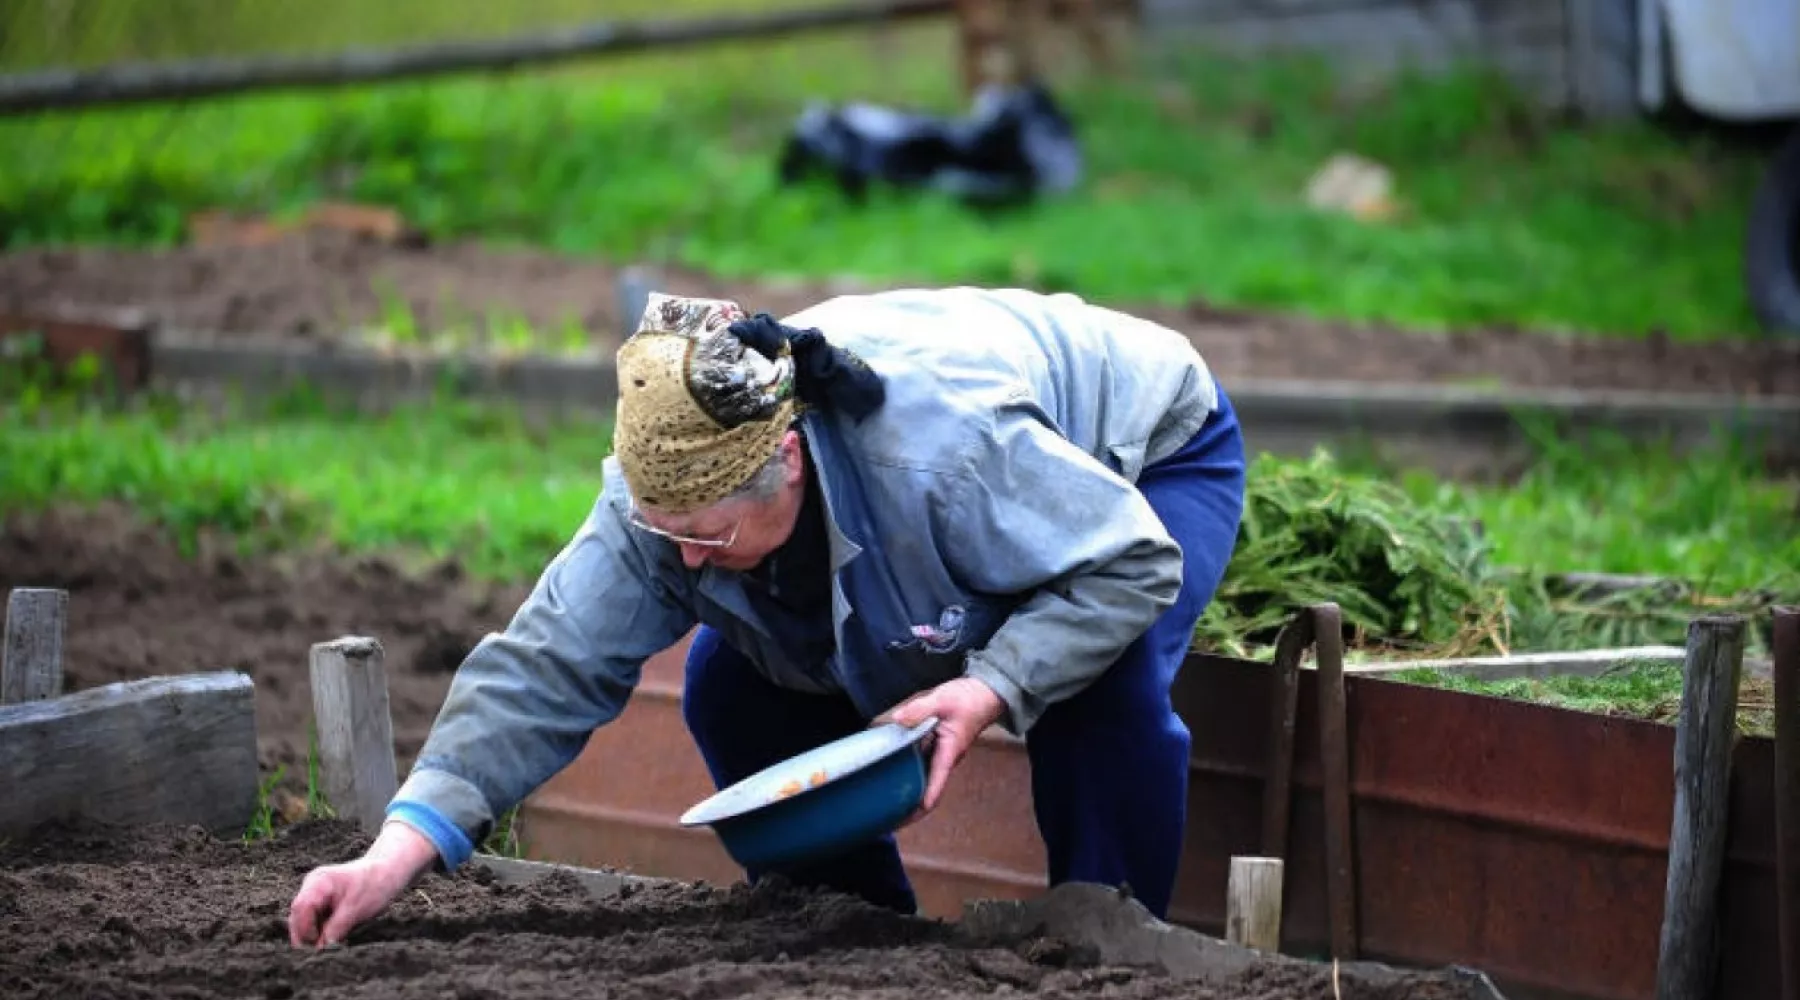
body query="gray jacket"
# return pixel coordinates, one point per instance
(983, 523)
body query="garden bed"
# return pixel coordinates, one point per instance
(326, 287)
(140, 606)
(172, 912)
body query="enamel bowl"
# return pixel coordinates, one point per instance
(822, 802)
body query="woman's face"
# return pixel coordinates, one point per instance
(739, 533)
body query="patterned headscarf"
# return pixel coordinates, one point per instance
(698, 412)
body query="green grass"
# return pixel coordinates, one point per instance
(477, 484)
(1195, 185)
(1603, 504)
(1641, 691)
(502, 493)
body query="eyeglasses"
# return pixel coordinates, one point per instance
(636, 517)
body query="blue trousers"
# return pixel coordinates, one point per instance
(1109, 766)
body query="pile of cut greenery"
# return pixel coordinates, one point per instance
(1414, 579)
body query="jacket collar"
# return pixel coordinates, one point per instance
(845, 518)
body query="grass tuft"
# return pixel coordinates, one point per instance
(1651, 692)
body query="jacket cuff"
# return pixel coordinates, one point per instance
(1022, 707)
(453, 846)
(448, 810)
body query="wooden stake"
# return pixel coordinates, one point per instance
(1253, 903)
(1787, 797)
(356, 731)
(31, 666)
(1334, 755)
(1705, 732)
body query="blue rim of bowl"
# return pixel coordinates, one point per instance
(720, 806)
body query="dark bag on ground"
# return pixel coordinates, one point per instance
(1015, 144)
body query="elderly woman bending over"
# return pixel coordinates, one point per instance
(989, 506)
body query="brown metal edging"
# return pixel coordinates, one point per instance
(1787, 796)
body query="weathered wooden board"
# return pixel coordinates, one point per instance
(31, 660)
(599, 884)
(164, 750)
(356, 731)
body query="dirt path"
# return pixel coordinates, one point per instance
(172, 913)
(316, 287)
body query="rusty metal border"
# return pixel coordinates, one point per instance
(1787, 795)
(121, 339)
(1525, 840)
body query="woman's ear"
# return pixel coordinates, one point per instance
(793, 457)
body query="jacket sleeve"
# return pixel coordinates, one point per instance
(1034, 516)
(525, 700)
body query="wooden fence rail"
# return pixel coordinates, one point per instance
(129, 84)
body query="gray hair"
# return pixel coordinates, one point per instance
(764, 484)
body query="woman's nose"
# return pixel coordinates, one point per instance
(694, 555)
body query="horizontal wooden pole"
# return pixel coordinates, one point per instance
(128, 84)
(165, 750)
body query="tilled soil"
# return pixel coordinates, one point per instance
(315, 286)
(139, 607)
(170, 912)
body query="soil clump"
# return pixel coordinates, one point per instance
(170, 912)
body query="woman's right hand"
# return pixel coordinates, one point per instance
(334, 899)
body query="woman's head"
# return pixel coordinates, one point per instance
(741, 530)
(705, 433)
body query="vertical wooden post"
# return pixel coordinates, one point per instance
(31, 663)
(1787, 797)
(356, 731)
(1705, 732)
(987, 37)
(1334, 757)
(1284, 704)
(1253, 903)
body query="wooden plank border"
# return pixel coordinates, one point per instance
(163, 750)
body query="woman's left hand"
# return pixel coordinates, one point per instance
(965, 708)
